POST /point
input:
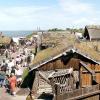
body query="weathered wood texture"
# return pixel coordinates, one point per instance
(40, 85)
(97, 71)
(59, 64)
(43, 86)
(86, 79)
(86, 76)
(88, 93)
(36, 83)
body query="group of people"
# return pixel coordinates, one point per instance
(10, 83)
(13, 67)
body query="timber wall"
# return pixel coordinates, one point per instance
(59, 64)
(88, 93)
(86, 76)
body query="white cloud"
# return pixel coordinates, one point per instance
(75, 6)
(81, 13)
(12, 18)
(70, 13)
(22, 11)
(23, 18)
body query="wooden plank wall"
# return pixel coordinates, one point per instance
(88, 93)
(97, 70)
(36, 83)
(58, 64)
(86, 77)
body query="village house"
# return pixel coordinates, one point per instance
(5, 43)
(58, 67)
(92, 33)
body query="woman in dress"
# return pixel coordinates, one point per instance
(12, 82)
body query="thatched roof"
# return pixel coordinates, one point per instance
(67, 45)
(50, 54)
(88, 52)
(4, 40)
(92, 32)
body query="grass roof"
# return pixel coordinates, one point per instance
(93, 26)
(88, 51)
(5, 40)
(62, 46)
(54, 51)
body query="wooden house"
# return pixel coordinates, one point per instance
(53, 61)
(60, 58)
(5, 43)
(92, 33)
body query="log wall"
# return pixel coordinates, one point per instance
(58, 64)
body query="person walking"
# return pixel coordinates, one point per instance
(12, 82)
(6, 53)
(18, 73)
(6, 83)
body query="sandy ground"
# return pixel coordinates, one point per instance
(6, 96)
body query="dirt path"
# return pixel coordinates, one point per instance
(6, 96)
(3, 94)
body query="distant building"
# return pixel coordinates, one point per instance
(92, 33)
(78, 35)
(5, 41)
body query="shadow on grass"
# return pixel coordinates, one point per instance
(46, 96)
(28, 80)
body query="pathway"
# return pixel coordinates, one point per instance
(3, 94)
(6, 96)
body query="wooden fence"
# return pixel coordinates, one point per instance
(91, 92)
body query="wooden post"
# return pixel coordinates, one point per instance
(80, 74)
(57, 91)
(36, 82)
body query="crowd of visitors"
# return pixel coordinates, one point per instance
(12, 67)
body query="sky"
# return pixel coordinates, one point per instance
(47, 14)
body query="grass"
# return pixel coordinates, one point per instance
(5, 40)
(62, 41)
(53, 51)
(25, 73)
(88, 50)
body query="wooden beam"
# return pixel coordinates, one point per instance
(86, 95)
(44, 77)
(89, 70)
(80, 80)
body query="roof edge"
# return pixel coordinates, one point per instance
(74, 51)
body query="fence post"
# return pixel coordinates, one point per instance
(57, 91)
(80, 76)
(99, 93)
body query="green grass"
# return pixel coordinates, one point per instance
(25, 73)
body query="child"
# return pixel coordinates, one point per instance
(6, 83)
